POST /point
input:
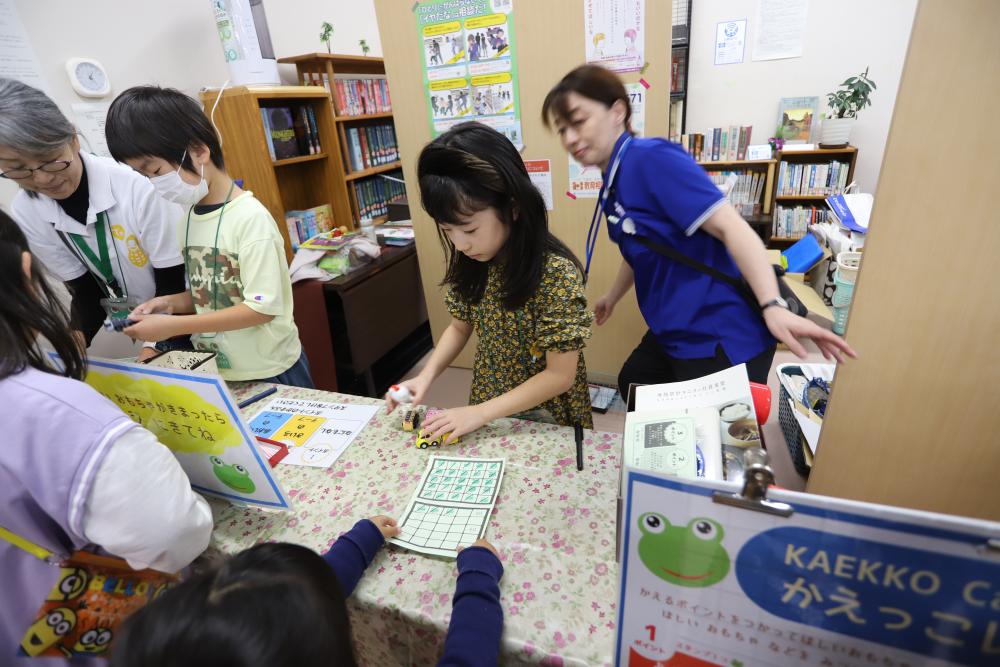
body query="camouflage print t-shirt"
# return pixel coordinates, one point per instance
(248, 266)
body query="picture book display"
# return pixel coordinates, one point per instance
(316, 432)
(451, 506)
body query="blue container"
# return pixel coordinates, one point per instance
(803, 255)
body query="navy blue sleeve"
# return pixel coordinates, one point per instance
(476, 615)
(678, 189)
(353, 552)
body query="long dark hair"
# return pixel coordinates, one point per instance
(591, 81)
(470, 168)
(30, 308)
(274, 604)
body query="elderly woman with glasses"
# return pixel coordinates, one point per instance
(94, 223)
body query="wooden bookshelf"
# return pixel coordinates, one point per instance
(767, 167)
(320, 69)
(281, 185)
(848, 154)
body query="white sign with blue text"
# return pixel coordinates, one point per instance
(837, 584)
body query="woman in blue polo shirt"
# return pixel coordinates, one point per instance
(655, 193)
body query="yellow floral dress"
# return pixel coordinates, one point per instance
(512, 344)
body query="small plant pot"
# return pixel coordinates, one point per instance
(836, 132)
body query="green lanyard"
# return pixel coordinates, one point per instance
(215, 249)
(102, 263)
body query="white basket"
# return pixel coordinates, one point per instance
(848, 264)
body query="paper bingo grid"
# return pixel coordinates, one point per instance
(452, 505)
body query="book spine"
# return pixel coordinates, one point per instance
(267, 132)
(716, 139)
(734, 138)
(365, 155)
(698, 142)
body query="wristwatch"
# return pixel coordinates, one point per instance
(777, 301)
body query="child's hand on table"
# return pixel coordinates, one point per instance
(484, 544)
(417, 386)
(457, 421)
(387, 526)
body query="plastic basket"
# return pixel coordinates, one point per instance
(793, 434)
(843, 292)
(840, 314)
(848, 264)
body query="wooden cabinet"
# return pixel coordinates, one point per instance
(801, 193)
(324, 69)
(281, 185)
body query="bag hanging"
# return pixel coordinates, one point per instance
(91, 598)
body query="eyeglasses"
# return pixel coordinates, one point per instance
(49, 168)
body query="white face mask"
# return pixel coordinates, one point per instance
(173, 188)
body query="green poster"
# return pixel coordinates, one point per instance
(470, 70)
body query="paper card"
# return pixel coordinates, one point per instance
(316, 432)
(540, 173)
(196, 417)
(451, 506)
(838, 582)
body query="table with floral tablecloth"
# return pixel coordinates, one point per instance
(553, 526)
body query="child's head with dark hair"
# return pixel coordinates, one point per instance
(275, 604)
(29, 309)
(474, 184)
(152, 122)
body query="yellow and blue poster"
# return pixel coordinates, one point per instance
(836, 584)
(470, 64)
(196, 417)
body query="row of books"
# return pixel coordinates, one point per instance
(290, 131)
(371, 145)
(812, 179)
(358, 97)
(744, 191)
(303, 225)
(792, 222)
(374, 194)
(720, 144)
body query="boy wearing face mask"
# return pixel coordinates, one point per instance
(239, 301)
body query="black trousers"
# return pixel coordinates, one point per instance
(649, 364)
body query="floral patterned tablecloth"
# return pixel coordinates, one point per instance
(553, 526)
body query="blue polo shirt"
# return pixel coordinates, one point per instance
(662, 194)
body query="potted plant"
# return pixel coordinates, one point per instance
(853, 96)
(326, 35)
(364, 46)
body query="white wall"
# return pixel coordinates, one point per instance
(172, 43)
(841, 39)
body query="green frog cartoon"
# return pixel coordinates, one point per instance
(690, 556)
(234, 476)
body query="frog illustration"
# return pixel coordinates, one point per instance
(690, 556)
(234, 476)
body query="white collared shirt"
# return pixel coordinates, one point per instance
(142, 234)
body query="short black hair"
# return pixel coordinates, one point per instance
(470, 168)
(273, 604)
(149, 121)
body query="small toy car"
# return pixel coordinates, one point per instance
(412, 418)
(424, 440)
